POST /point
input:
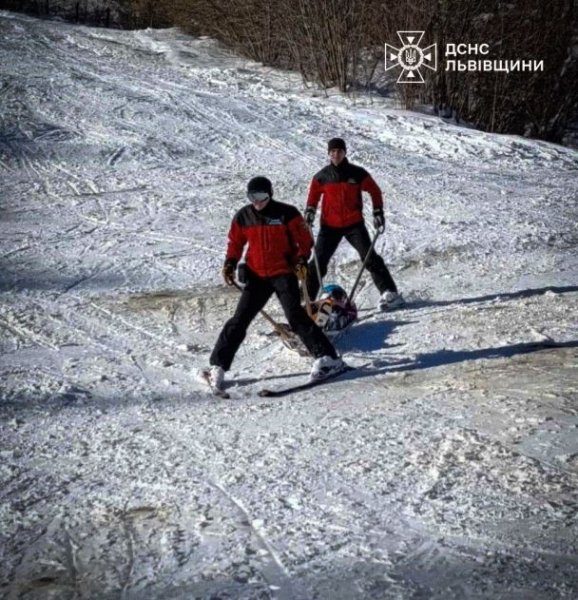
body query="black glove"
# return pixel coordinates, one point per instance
(301, 268)
(378, 219)
(229, 272)
(309, 216)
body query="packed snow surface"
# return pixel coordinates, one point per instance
(446, 466)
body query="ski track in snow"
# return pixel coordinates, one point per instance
(445, 467)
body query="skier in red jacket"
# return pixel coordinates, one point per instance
(339, 186)
(279, 244)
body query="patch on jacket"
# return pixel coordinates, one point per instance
(351, 180)
(273, 221)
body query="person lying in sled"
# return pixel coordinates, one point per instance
(334, 312)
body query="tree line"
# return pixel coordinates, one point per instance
(122, 14)
(340, 43)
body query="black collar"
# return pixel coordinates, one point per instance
(342, 166)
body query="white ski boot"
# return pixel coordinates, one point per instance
(325, 367)
(390, 300)
(214, 377)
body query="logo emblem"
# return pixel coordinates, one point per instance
(410, 57)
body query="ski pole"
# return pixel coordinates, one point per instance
(317, 268)
(307, 298)
(378, 232)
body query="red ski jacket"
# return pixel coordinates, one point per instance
(341, 189)
(277, 237)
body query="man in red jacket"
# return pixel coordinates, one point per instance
(340, 185)
(279, 244)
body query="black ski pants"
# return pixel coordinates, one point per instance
(253, 298)
(358, 236)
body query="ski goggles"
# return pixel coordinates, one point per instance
(258, 196)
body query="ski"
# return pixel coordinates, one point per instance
(215, 391)
(267, 393)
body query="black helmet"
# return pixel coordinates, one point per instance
(260, 184)
(336, 144)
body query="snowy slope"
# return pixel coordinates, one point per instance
(445, 467)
